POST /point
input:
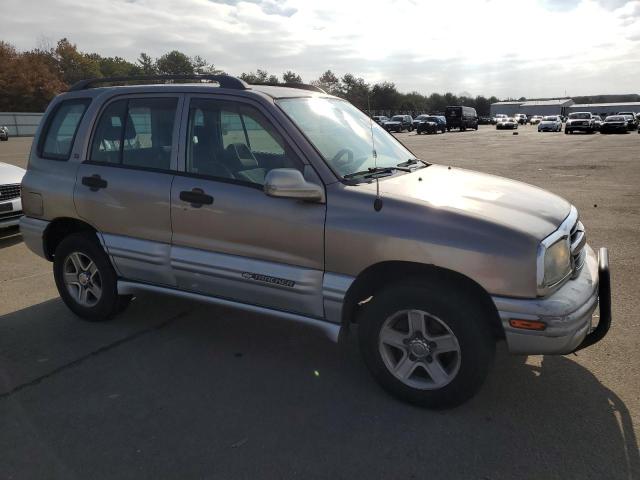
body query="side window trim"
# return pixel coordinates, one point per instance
(176, 147)
(49, 120)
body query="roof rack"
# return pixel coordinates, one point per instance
(225, 81)
(301, 86)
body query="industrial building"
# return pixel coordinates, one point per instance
(509, 108)
(605, 109)
(558, 106)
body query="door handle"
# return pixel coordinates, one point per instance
(196, 197)
(94, 182)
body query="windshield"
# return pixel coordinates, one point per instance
(422, 117)
(396, 118)
(342, 134)
(583, 116)
(550, 119)
(614, 119)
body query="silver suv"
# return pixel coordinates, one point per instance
(293, 203)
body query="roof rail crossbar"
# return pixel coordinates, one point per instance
(225, 81)
(301, 86)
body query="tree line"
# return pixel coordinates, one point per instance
(30, 79)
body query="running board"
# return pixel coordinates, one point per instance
(331, 330)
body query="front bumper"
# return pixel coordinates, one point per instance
(580, 128)
(10, 212)
(567, 313)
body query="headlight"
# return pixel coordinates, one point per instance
(554, 262)
(557, 262)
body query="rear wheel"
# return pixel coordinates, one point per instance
(426, 345)
(86, 279)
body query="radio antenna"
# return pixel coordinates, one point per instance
(377, 203)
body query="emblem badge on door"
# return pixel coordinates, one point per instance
(283, 282)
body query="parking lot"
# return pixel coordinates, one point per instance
(172, 389)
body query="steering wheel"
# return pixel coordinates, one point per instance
(339, 164)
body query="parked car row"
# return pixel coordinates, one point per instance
(589, 123)
(457, 116)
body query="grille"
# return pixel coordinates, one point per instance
(578, 239)
(7, 192)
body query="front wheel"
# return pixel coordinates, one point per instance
(86, 279)
(426, 345)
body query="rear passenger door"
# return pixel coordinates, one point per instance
(123, 186)
(230, 239)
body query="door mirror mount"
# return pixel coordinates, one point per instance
(289, 183)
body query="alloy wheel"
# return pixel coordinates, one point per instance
(419, 349)
(82, 279)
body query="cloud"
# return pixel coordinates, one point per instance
(494, 47)
(270, 7)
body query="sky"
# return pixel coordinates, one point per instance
(506, 48)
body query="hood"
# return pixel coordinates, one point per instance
(509, 203)
(10, 174)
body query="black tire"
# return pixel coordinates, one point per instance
(110, 303)
(567, 131)
(462, 317)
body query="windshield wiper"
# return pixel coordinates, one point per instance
(412, 161)
(376, 171)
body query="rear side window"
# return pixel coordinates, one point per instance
(61, 129)
(136, 133)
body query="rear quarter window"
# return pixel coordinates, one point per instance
(61, 128)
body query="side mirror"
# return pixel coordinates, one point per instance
(289, 183)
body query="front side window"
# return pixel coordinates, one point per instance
(62, 128)
(136, 133)
(342, 134)
(234, 142)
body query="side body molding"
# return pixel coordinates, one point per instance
(334, 288)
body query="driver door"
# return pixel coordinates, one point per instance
(230, 239)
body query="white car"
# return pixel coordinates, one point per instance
(552, 123)
(521, 118)
(10, 202)
(535, 120)
(497, 118)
